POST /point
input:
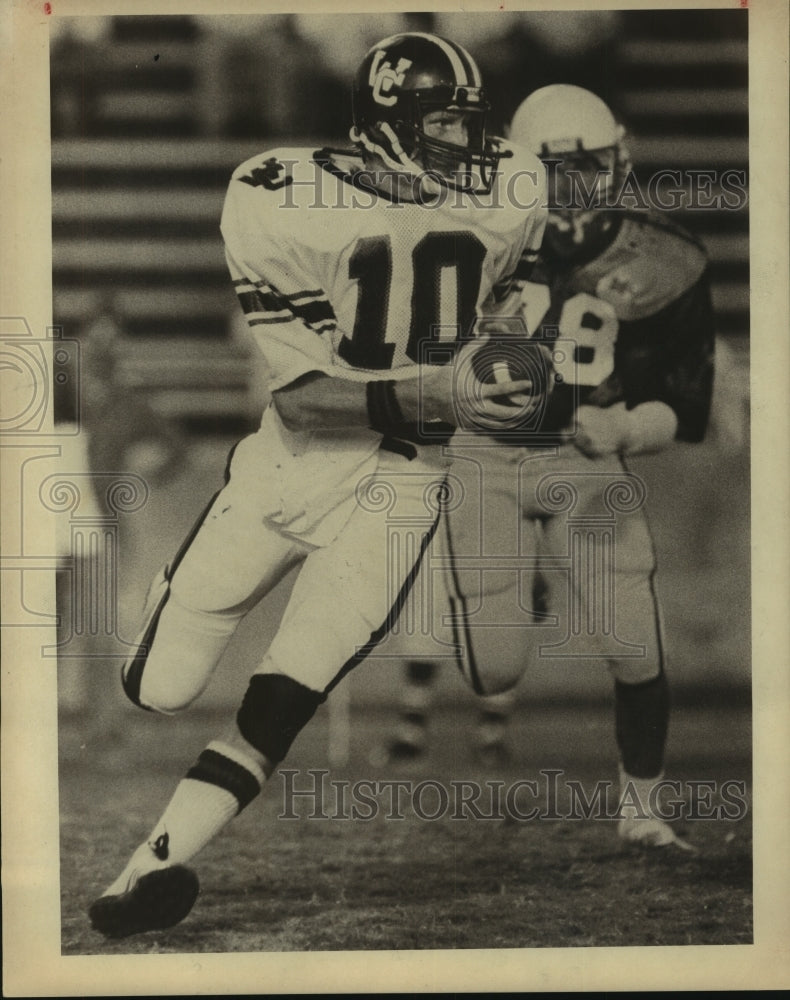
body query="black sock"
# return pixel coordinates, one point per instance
(641, 723)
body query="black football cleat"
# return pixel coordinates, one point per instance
(158, 900)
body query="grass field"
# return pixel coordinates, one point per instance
(274, 884)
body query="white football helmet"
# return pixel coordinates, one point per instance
(573, 131)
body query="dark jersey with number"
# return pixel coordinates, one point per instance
(632, 325)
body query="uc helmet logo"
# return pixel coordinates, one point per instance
(383, 78)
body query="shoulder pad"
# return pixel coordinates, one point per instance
(271, 190)
(650, 264)
(521, 160)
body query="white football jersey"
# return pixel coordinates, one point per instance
(337, 277)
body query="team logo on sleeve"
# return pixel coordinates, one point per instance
(272, 175)
(383, 78)
(619, 289)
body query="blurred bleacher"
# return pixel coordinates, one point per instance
(141, 155)
(684, 96)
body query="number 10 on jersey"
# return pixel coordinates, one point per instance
(370, 265)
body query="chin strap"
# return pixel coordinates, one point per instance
(401, 163)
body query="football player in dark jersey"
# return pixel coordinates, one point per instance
(621, 300)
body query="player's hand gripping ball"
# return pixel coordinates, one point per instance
(504, 358)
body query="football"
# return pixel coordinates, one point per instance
(511, 358)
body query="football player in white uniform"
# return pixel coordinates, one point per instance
(622, 299)
(361, 273)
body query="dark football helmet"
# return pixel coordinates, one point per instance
(402, 79)
(573, 131)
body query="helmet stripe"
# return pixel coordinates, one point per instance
(472, 71)
(462, 68)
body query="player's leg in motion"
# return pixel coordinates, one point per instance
(641, 691)
(340, 608)
(493, 547)
(492, 744)
(196, 603)
(495, 711)
(221, 572)
(484, 525)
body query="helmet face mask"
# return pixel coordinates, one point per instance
(401, 81)
(579, 186)
(575, 134)
(580, 180)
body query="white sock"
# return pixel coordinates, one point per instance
(221, 783)
(635, 795)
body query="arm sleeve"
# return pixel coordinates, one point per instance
(669, 357)
(286, 308)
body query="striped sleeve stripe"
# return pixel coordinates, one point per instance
(263, 304)
(313, 314)
(268, 320)
(263, 283)
(261, 309)
(316, 294)
(265, 289)
(290, 318)
(318, 311)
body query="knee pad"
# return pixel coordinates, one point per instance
(274, 710)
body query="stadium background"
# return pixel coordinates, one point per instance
(149, 117)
